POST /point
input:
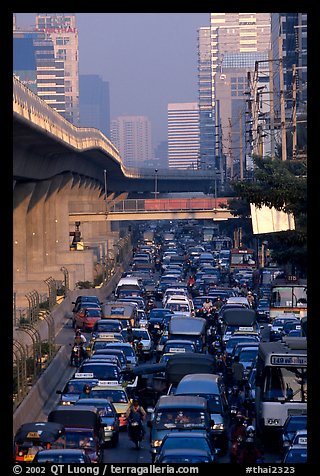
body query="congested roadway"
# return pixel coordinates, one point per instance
(125, 451)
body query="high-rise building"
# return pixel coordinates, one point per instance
(133, 138)
(61, 29)
(237, 42)
(289, 43)
(183, 135)
(35, 65)
(206, 112)
(94, 103)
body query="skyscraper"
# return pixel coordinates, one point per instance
(94, 103)
(61, 29)
(183, 135)
(132, 136)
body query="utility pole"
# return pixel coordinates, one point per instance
(230, 148)
(241, 146)
(271, 89)
(255, 110)
(294, 112)
(282, 105)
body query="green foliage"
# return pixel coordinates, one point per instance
(84, 285)
(282, 185)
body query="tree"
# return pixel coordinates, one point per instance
(282, 185)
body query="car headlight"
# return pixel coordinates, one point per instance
(123, 415)
(109, 428)
(156, 443)
(66, 403)
(218, 426)
(273, 421)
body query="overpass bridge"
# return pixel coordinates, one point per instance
(215, 209)
(60, 170)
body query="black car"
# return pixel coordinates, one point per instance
(73, 389)
(186, 447)
(263, 310)
(109, 418)
(292, 424)
(107, 325)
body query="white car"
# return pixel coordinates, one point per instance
(145, 339)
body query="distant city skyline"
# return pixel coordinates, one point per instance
(149, 60)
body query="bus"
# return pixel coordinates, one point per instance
(288, 296)
(242, 258)
(219, 243)
(281, 383)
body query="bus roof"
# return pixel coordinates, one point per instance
(289, 352)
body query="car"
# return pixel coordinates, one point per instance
(251, 385)
(80, 300)
(295, 454)
(103, 371)
(179, 345)
(248, 356)
(109, 418)
(212, 388)
(186, 447)
(233, 341)
(277, 325)
(263, 310)
(128, 350)
(73, 389)
(292, 424)
(159, 347)
(86, 317)
(107, 325)
(117, 395)
(102, 341)
(177, 413)
(144, 337)
(116, 352)
(63, 455)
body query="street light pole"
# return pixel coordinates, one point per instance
(105, 185)
(155, 183)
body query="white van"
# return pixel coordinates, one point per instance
(181, 304)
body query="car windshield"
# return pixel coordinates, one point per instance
(192, 443)
(185, 459)
(248, 355)
(102, 371)
(93, 313)
(62, 458)
(75, 387)
(114, 396)
(80, 439)
(175, 418)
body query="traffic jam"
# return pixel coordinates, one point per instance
(198, 356)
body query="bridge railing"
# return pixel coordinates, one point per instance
(166, 204)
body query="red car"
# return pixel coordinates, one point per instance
(86, 317)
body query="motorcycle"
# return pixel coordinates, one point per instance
(236, 447)
(135, 429)
(77, 355)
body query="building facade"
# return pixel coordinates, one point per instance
(61, 29)
(133, 137)
(183, 135)
(94, 103)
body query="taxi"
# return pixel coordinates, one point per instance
(101, 340)
(116, 394)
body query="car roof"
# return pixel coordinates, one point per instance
(186, 434)
(180, 401)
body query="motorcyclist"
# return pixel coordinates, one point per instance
(250, 299)
(235, 398)
(237, 436)
(238, 372)
(207, 304)
(136, 412)
(249, 453)
(220, 363)
(79, 340)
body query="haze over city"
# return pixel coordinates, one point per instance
(149, 59)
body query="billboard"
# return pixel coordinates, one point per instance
(270, 220)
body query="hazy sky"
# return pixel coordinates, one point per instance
(149, 59)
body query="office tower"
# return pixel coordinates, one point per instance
(132, 136)
(289, 43)
(61, 29)
(161, 153)
(206, 114)
(94, 103)
(238, 41)
(35, 65)
(183, 135)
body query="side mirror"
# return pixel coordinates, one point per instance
(59, 392)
